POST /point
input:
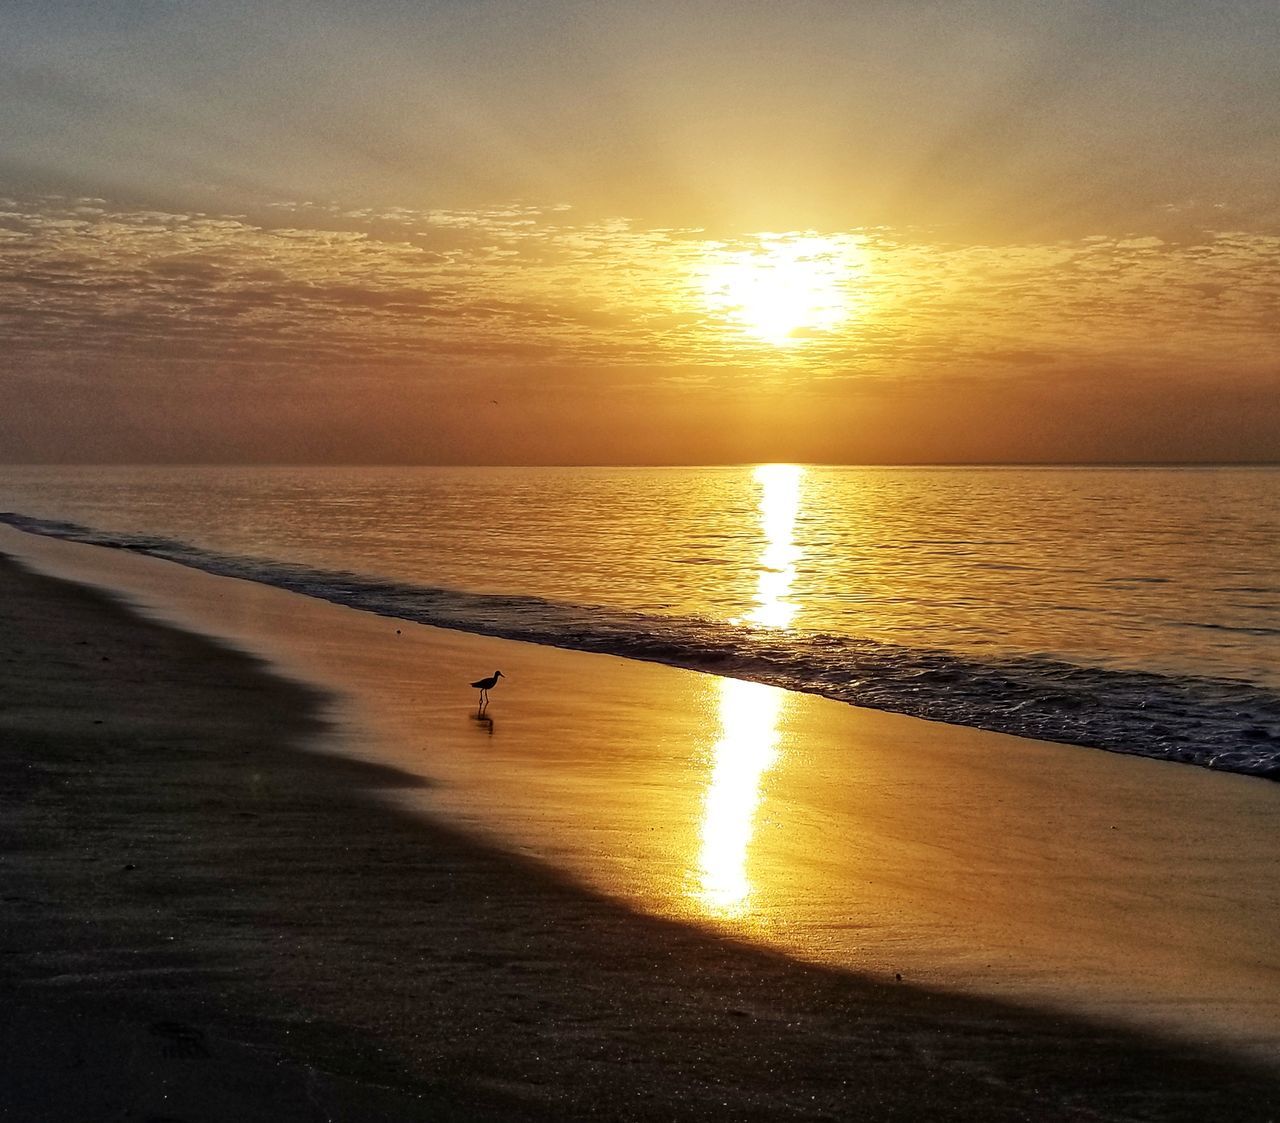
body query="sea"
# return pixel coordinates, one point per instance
(1135, 610)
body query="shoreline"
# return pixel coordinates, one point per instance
(284, 942)
(1108, 886)
(1197, 719)
(1098, 885)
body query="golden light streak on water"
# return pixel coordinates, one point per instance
(779, 506)
(748, 744)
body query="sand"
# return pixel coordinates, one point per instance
(213, 907)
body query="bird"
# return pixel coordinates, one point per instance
(484, 685)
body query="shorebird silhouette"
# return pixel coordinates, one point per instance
(484, 685)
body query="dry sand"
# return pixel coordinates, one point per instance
(205, 918)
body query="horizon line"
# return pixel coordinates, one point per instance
(988, 464)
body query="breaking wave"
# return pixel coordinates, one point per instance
(1216, 723)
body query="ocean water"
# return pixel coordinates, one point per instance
(1135, 610)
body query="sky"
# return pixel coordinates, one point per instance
(518, 232)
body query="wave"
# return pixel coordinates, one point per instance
(1239, 629)
(1216, 723)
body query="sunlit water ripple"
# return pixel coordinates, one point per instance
(1135, 611)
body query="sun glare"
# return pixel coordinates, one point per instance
(786, 289)
(779, 507)
(746, 750)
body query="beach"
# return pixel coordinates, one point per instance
(220, 900)
(589, 561)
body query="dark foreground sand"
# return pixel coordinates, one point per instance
(202, 919)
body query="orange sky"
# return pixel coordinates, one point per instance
(896, 232)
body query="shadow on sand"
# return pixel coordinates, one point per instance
(191, 863)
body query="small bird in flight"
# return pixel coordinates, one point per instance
(484, 685)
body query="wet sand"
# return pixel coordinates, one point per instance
(208, 913)
(1116, 888)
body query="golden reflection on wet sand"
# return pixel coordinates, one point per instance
(746, 750)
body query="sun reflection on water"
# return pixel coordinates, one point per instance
(779, 506)
(748, 744)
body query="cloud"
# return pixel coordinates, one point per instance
(316, 288)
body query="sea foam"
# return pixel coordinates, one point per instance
(1213, 722)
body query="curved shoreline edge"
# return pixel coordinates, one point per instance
(196, 906)
(1219, 724)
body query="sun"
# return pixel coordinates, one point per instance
(786, 288)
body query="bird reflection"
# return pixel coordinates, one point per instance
(483, 721)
